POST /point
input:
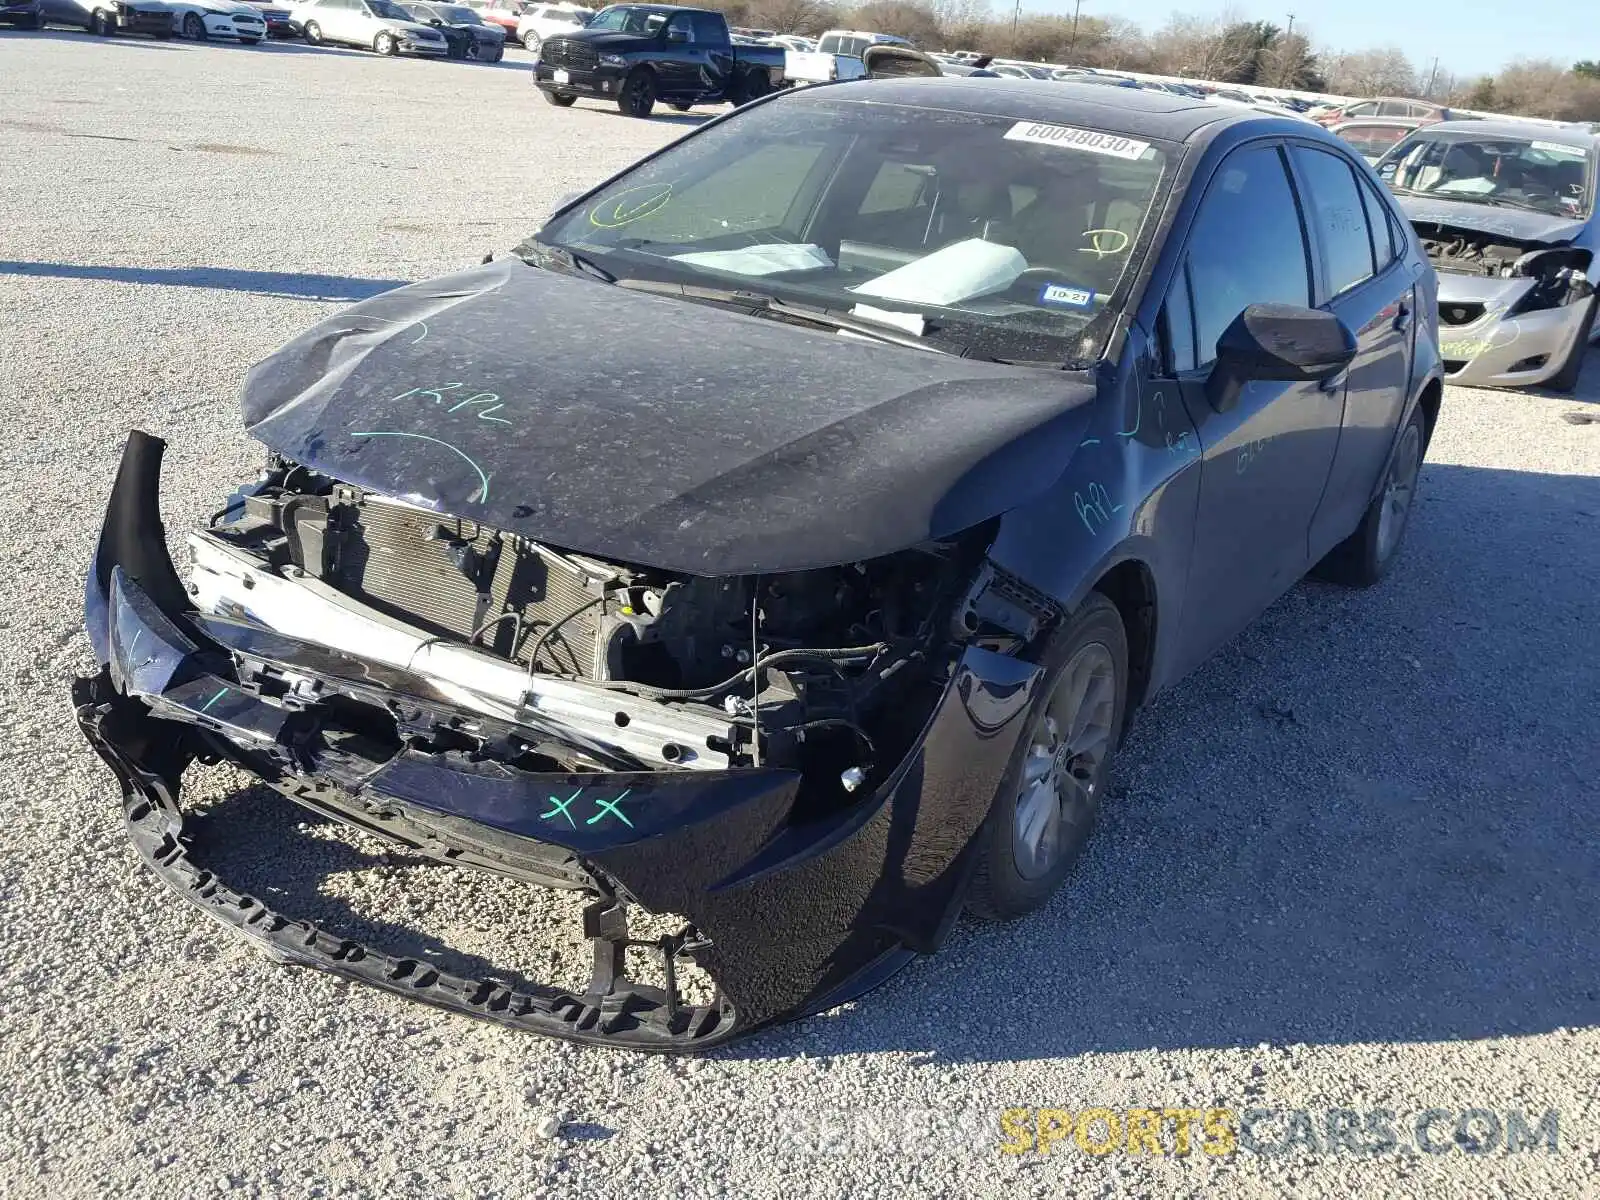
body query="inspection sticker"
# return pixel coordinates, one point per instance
(1076, 139)
(1065, 295)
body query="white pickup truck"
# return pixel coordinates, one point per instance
(837, 56)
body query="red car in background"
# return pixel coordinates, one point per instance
(1424, 112)
(504, 13)
(1373, 137)
(277, 18)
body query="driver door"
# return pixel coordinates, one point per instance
(1266, 460)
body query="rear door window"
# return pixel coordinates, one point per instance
(1337, 217)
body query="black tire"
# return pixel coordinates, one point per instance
(102, 22)
(194, 28)
(496, 54)
(39, 21)
(1366, 555)
(1566, 379)
(312, 33)
(532, 42)
(1001, 887)
(386, 43)
(638, 95)
(754, 86)
(558, 99)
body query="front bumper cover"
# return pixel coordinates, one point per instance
(785, 916)
(1491, 349)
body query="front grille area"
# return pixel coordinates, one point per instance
(1460, 313)
(564, 52)
(410, 564)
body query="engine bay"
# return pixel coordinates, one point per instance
(831, 672)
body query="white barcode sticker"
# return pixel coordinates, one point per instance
(1113, 144)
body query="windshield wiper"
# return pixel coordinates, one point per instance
(762, 304)
(537, 254)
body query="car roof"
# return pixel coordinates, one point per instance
(1134, 112)
(1578, 139)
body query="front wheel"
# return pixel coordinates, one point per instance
(102, 23)
(496, 54)
(385, 43)
(194, 28)
(1044, 809)
(312, 33)
(39, 20)
(531, 43)
(1366, 555)
(638, 95)
(558, 99)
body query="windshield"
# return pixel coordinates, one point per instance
(1017, 234)
(625, 19)
(458, 16)
(1519, 172)
(389, 10)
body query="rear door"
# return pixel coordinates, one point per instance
(1266, 460)
(1361, 278)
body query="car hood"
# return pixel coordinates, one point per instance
(658, 431)
(606, 39)
(1516, 223)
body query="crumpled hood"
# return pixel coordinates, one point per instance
(605, 39)
(1516, 223)
(659, 431)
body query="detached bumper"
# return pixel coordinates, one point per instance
(786, 916)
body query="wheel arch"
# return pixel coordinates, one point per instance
(1131, 585)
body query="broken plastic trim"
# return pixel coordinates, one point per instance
(611, 1010)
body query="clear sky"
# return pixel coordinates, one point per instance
(1470, 37)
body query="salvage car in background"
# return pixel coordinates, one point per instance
(636, 54)
(1423, 111)
(1373, 137)
(539, 21)
(279, 18)
(890, 445)
(29, 14)
(1506, 212)
(202, 19)
(108, 17)
(466, 34)
(380, 25)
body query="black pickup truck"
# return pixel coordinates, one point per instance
(636, 54)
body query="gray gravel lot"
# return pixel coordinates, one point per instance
(1350, 864)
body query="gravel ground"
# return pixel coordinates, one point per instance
(1349, 864)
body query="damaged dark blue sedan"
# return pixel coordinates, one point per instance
(778, 543)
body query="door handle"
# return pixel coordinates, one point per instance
(1403, 321)
(1334, 383)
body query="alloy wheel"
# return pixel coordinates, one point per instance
(1068, 747)
(1399, 490)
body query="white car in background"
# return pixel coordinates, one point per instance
(540, 21)
(381, 25)
(202, 19)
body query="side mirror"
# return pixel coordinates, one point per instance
(1278, 342)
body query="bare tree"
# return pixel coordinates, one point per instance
(1385, 72)
(1288, 63)
(792, 16)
